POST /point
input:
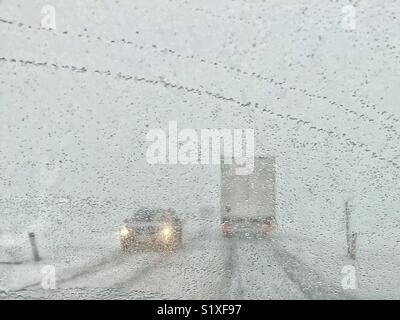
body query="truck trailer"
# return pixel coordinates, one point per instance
(248, 202)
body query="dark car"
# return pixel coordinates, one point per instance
(154, 228)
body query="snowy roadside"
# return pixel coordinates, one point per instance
(376, 268)
(19, 271)
(92, 258)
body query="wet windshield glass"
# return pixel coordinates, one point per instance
(230, 149)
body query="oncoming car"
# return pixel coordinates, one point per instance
(152, 228)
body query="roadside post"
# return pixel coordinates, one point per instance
(351, 237)
(35, 251)
(353, 246)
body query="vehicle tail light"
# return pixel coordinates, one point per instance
(227, 227)
(266, 227)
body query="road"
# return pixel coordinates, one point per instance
(207, 267)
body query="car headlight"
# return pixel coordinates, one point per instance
(125, 232)
(167, 232)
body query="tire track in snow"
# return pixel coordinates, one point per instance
(82, 272)
(162, 260)
(313, 285)
(232, 282)
(106, 264)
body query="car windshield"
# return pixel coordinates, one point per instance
(213, 149)
(147, 216)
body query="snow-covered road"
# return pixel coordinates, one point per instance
(207, 267)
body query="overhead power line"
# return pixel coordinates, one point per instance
(200, 92)
(389, 121)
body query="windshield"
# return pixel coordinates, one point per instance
(208, 149)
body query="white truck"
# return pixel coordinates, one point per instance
(248, 202)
